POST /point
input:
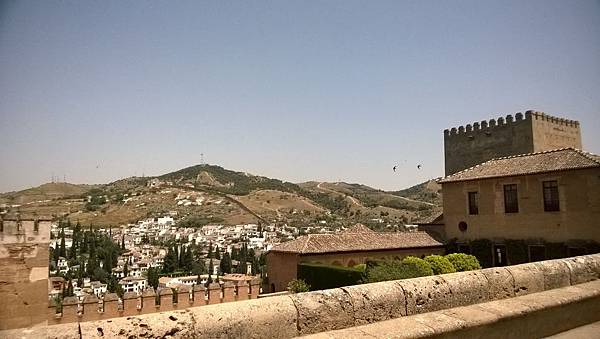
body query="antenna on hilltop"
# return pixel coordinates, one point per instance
(202, 159)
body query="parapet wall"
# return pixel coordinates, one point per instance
(313, 312)
(111, 306)
(23, 272)
(472, 144)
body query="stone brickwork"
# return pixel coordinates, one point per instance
(558, 285)
(475, 143)
(23, 272)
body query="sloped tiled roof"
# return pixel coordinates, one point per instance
(359, 228)
(353, 242)
(531, 163)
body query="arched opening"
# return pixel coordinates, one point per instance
(351, 263)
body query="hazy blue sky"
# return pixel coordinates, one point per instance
(306, 90)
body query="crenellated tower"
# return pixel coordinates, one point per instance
(475, 143)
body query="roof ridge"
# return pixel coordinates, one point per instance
(518, 156)
(589, 155)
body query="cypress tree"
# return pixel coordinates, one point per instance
(217, 253)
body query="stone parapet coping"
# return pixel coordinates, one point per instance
(319, 311)
(530, 316)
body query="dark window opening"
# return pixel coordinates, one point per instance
(576, 251)
(36, 226)
(537, 253)
(473, 203)
(464, 248)
(511, 201)
(462, 226)
(551, 202)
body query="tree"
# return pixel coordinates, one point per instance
(170, 264)
(61, 249)
(211, 268)
(187, 260)
(126, 269)
(199, 268)
(152, 275)
(123, 242)
(210, 250)
(217, 253)
(225, 264)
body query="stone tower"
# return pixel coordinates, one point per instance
(470, 145)
(24, 253)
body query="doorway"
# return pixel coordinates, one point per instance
(499, 255)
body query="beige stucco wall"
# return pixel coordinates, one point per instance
(578, 218)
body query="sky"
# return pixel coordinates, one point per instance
(95, 91)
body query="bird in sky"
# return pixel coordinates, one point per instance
(394, 168)
(419, 166)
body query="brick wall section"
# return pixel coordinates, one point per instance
(313, 312)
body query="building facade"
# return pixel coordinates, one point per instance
(551, 196)
(476, 143)
(350, 248)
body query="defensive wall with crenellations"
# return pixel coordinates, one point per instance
(472, 144)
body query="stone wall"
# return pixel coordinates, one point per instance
(23, 272)
(475, 143)
(313, 312)
(111, 306)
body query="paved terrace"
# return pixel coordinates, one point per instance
(529, 300)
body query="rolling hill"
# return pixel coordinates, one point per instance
(212, 194)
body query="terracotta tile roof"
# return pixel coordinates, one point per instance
(359, 228)
(531, 163)
(353, 242)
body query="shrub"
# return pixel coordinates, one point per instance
(440, 264)
(298, 286)
(394, 270)
(321, 277)
(463, 262)
(422, 266)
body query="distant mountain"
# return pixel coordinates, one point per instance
(212, 194)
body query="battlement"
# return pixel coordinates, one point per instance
(111, 306)
(17, 230)
(487, 125)
(472, 144)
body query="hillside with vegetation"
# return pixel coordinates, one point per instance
(205, 194)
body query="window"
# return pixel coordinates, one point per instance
(473, 203)
(537, 253)
(511, 202)
(551, 196)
